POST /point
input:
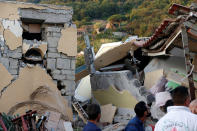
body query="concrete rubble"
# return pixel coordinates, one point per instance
(142, 68)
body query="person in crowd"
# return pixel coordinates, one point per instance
(193, 106)
(137, 123)
(94, 115)
(167, 104)
(178, 117)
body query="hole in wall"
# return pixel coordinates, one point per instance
(33, 56)
(59, 85)
(32, 30)
(32, 36)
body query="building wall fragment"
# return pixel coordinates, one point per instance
(29, 37)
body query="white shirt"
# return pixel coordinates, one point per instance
(178, 118)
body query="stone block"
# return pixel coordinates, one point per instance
(56, 34)
(13, 71)
(5, 62)
(72, 64)
(70, 91)
(68, 72)
(52, 42)
(69, 83)
(15, 54)
(70, 77)
(51, 64)
(53, 55)
(18, 50)
(49, 34)
(56, 72)
(58, 77)
(53, 29)
(13, 63)
(53, 50)
(63, 63)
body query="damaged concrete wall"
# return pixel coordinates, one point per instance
(32, 35)
(119, 88)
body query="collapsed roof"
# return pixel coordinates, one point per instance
(168, 34)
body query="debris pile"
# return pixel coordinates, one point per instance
(123, 73)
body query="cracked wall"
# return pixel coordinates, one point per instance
(38, 35)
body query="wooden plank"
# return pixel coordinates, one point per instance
(113, 55)
(81, 74)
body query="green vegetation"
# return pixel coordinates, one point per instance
(135, 17)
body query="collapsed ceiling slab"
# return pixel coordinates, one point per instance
(111, 95)
(168, 34)
(106, 47)
(113, 55)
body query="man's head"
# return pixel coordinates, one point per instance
(141, 110)
(94, 112)
(193, 106)
(180, 96)
(167, 104)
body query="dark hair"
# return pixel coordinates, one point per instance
(93, 110)
(168, 103)
(140, 108)
(180, 95)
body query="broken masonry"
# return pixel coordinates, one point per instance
(38, 45)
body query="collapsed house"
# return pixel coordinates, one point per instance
(126, 72)
(38, 45)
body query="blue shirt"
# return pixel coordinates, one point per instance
(135, 124)
(91, 127)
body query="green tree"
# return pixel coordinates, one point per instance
(116, 19)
